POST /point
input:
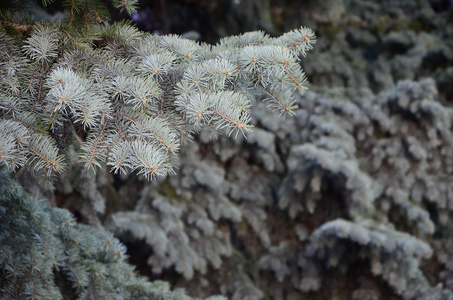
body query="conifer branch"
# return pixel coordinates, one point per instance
(137, 97)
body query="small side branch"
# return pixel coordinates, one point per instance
(17, 26)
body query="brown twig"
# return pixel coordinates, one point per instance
(20, 27)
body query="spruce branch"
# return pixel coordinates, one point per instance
(132, 99)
